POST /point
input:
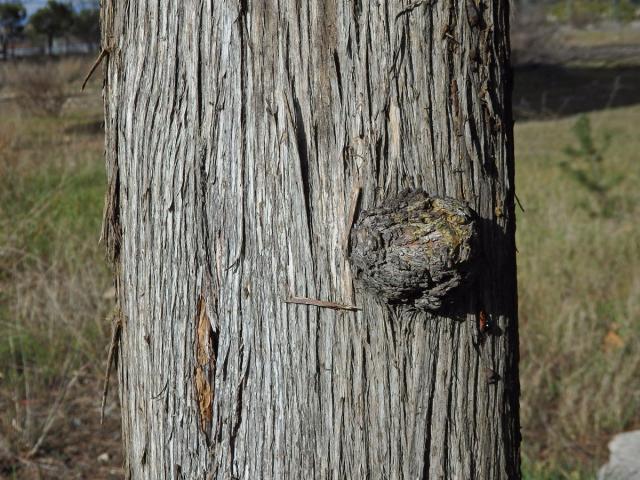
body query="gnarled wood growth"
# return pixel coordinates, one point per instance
(243, 139)
(417, 251)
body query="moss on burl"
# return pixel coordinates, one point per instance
(415, 250)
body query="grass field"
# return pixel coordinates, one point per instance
(54, 281)
(579, 288)
(579, 283)
(599, 38)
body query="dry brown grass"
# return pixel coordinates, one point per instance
(579, 297)
(53, 280)
(623, 35)
(42, 88)
(533, 38)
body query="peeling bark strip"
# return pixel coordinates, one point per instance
(243, 141)
(111, 232)
(206, 346)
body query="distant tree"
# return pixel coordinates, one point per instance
(53, 20)
(12, 15)
(86, 26)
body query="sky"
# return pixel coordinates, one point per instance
(33, 5)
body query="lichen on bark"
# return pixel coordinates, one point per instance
(416, 250)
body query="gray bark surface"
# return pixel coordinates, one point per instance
(243, 138)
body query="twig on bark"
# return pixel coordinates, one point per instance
(519, 202)
(113, 349)
(321, 304)
(103, 53)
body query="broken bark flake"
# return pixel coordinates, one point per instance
(415, 249)
(205, 346)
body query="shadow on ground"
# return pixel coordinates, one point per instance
(551, 91)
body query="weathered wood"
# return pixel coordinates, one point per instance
(417, 251)
(237, 134)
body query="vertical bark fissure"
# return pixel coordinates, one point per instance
(303, 159)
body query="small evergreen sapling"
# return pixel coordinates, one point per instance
(587, 166)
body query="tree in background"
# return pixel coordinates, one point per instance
(53, 20)
(86, 26)
(11, 17)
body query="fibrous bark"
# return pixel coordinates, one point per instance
(242, 139)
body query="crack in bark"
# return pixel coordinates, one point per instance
(336, 62)
(238, 408)
(206, 356)
(411, 7)
(301, 142)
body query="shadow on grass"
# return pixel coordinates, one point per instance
(553, 91)
(90, 128)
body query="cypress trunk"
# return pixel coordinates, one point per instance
(243, 141)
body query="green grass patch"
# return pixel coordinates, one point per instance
(579, 287)
(532, 470)
(53, 273)
(54, 209)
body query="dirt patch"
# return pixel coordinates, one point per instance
(76, 447)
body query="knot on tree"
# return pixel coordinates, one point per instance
(415, 250)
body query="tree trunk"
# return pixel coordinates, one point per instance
(243, 138)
